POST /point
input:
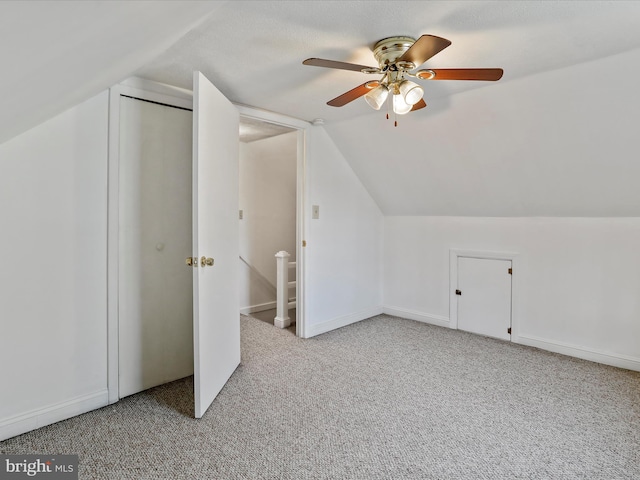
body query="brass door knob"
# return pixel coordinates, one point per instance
(189, 262)
(204, 261)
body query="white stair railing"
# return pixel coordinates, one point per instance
(283, 285)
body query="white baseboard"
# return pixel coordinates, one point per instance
(261, 307)
(607, 358)
(324, 327)
(438, 320)
(25, 422)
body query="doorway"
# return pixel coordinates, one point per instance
(481, 298)
(155, 290)
(268, 188)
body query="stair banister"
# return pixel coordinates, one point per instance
(282, 319)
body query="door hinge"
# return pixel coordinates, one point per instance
(511, 271)
(509, 330)
(458, 292)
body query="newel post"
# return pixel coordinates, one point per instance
(282, 319)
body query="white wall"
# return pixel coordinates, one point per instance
(53, 211)
(576, 278)
(540, 152)
(344, 246)
(268, 201)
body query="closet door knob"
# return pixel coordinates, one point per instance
(204, 261)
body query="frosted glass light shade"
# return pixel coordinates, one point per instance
(400, 107)
(411, 92)
(376, 97)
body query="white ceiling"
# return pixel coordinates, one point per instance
(58, 53)
(253, 50)
(252, 130)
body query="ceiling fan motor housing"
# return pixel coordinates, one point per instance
(389, 50)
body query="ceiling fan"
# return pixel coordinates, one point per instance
(398, 57)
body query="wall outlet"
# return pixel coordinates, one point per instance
(315, 212)
(240, 214)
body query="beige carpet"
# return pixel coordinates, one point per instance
(385, 398)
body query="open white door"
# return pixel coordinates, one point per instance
(216, 319)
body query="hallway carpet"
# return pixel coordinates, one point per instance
(384, 398)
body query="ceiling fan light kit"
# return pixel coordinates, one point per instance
(397, 57)
(400, 107)
(411, 92)
(376, 97)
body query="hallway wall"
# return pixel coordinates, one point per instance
(268, 202)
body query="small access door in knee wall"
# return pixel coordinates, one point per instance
(483, 295)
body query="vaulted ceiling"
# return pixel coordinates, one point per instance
(541, 141)
(253, 50)
(56, 54)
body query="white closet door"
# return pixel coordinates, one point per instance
(216, 236)
(155, 287)
(484, 303)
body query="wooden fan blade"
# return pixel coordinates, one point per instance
(424, 48)
(419, 105)
(489, 74)
(352, 94)
(319, 62)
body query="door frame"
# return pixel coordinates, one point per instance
(454, 254)
(185, 115)
(301, 127)
(182, 98)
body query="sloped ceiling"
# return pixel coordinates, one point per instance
(56, 54)
(441, 160)
(253, 50)
(559, 143)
